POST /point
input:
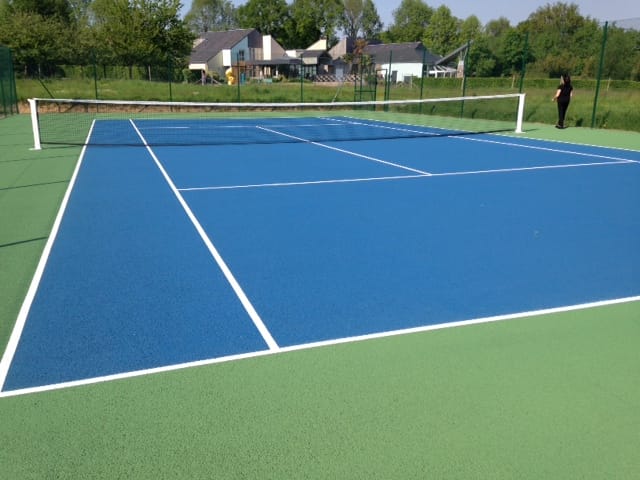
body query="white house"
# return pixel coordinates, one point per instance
(246, 49)
(402, 61)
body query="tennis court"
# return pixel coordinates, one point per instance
(284, 233)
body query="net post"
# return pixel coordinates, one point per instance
(35, 126)
(520, 113)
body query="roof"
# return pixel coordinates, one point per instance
(313, 53)
(411, 52)
(276, 61)
(453, 54)
(214, 42)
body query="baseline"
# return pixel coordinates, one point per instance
(320, 344)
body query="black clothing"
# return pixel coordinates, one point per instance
(563, 102)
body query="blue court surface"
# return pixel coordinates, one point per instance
(176, 255)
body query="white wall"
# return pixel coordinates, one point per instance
(226, 57)
(266, 47)
(403, 69)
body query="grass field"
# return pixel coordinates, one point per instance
(616, 104)
(552, 396)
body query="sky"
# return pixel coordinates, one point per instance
(515, 11)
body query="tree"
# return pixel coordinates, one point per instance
(443, 34)
(140, 32)
(410, 21)
(211, 15)
(269, 17)
(555, 38)
(360, 19)
(622, 59)
(481, 61)
(80, 9)
(170, 35)
(497, 28)
(470, 29)
(371, 23)
(61, 9)
(41, 34)
(511, 50)
(312, 20)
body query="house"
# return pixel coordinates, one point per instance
(346, 46)
(341, 67)
(442, 68)
(314, 60)
(245, 54)
(241, 54)
(399, 62)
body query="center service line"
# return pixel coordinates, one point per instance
(251, 311)
(348, 152)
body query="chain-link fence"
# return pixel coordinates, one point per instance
(606, 78)
(605, 70)
(615, 103)
(8, 95)
(243, 81)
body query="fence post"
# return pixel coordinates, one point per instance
(464, 76)
(525, 54)
(8, 92)
(425, 70)
(238, 73)
(302, 77)
(170, 74)
(387, 85)
(424, 67)
(595, 100)
(95, 73)
(3, 99)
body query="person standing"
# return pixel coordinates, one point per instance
(562, 98)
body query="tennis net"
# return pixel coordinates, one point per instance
(112, 123)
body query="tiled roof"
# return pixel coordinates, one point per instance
(412, 52)
(214, 42)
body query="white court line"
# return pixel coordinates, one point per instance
(18, 328)
(405, 177)
(310, 182)
(387, 127)
(524, 169)
(324, 343)
(498, 142)
(234, 127)
(341, 150)
(246, 303)
(547, 149)
(612, 161)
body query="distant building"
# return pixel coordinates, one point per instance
(246, 51)
(245, 54)
(315, 60)
(400, 62)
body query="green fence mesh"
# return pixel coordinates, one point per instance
(8, 96)
(606, 78)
